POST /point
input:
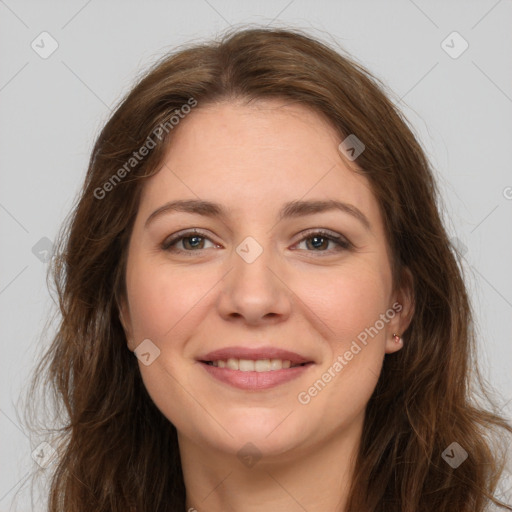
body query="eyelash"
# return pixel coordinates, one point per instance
(343, 243)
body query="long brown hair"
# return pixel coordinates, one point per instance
(116, 451)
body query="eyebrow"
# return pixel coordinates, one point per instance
(292, 209)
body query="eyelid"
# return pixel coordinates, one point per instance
(185, 233)
(342, 241)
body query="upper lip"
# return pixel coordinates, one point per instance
(254, 354)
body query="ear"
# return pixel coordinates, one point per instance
(403, 305)
(125, 318)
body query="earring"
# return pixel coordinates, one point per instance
(397, 338)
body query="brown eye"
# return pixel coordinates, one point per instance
(194, 242)
(320, 241)
(191, 241)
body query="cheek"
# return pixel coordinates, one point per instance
(350, 304)
(166, 306)
(163, 299)
(348, 301)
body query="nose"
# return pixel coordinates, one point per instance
(255, 291)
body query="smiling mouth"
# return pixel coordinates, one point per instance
(258, 365)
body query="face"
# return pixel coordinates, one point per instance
(258, 279)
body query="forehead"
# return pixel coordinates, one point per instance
(253, 158)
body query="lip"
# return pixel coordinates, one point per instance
(255, 381)
(254, 354)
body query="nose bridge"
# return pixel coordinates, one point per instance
(253, 261)
(252, 289)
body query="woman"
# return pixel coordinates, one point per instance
(261, 309)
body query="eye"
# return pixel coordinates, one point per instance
(320, 240)
(192, 241)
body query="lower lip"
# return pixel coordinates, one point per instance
(255, 380)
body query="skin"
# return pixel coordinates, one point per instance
(315, 301)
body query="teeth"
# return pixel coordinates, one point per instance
(276, 364)
(262, 365)
(248, 365)
(245, 365)
(232, 364)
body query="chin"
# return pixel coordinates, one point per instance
(271, 433)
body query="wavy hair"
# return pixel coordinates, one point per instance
(116, 450)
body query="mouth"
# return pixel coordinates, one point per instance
(257, 365)
(255, 369)
(249, 359)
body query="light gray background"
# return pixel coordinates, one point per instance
(52, 109)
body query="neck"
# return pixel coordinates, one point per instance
(313, 478)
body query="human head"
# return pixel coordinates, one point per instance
(259, 68)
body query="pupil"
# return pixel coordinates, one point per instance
(316, 239)
(194, 238)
